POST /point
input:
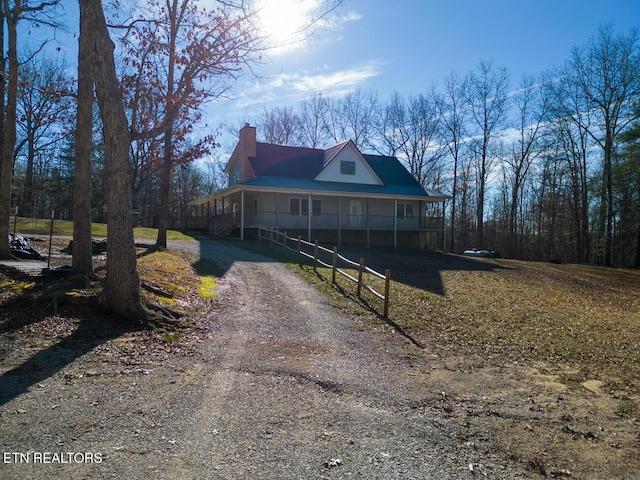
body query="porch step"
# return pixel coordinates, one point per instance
(223, 224)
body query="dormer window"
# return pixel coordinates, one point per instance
(347, 167)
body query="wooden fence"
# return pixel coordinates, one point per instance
(280, 238)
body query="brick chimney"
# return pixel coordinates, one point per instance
(239, 166)
(248, 139)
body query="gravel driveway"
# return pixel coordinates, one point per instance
(280, 386)
(294, 390)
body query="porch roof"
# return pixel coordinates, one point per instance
(305, 187)
(289, 183)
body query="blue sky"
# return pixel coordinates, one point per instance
(384, 46)
(406, 45)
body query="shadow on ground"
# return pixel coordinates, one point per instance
(92, 330)
(419, 269)
(217, 256)
(422, 270)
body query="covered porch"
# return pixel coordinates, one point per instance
(335, 216)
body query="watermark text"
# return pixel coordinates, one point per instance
(51, 457)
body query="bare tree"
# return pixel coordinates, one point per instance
(13, 13)
(391, 114)
(281, 126)
(487, 98)
(607, 72)
(570, 120)
(352, 118)
(43, 105)
(190, 55)
(82, 259)
(312, 112)
(452, 109)
(531, 108)
(122, 289)
(411, 129)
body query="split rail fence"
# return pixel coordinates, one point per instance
(280, 238)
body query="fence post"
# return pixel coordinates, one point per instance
(387, 276)
(299, 248)
(315, 256)
(271, 237)
(360, 270)
(334, 264)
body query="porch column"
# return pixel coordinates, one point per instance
(339, 222)
(367, 220)
(444, 226)
(395, 223)
(242, 215)
(309, 208)
(422, 224)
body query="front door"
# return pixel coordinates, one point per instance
(355, 213)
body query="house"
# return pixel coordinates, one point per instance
(337, 196)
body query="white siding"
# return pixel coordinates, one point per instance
(363, 174)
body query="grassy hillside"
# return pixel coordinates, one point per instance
(40, 226)
(578, 321)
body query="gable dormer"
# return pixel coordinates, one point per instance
(239, 167)
(344, 163)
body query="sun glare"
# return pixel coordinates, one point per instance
(284, 22)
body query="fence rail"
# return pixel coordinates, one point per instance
(281, 238)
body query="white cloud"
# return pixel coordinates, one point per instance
(290, 88)
(327, 82)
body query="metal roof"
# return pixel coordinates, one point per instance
(278, 166)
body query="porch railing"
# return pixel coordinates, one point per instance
(345, 221)
(326, 220)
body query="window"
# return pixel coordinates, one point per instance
(298, 206)
(234, 177)
(404, 210)
(347, 167)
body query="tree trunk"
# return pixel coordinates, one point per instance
(608, 174)
(26, 206)
(2, 82)
(165, 191)
(169, 114)
(636, 262)
(9, 134)
(122, 290)
(454, 192)
(82, 261)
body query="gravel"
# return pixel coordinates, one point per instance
(277, 383)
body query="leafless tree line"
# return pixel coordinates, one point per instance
(175, 56)
(544, 170)
(533, 171)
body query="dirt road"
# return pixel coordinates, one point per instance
(295, 390)
(280, 384)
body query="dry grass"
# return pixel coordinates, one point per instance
(169, 279)
(582, 322)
